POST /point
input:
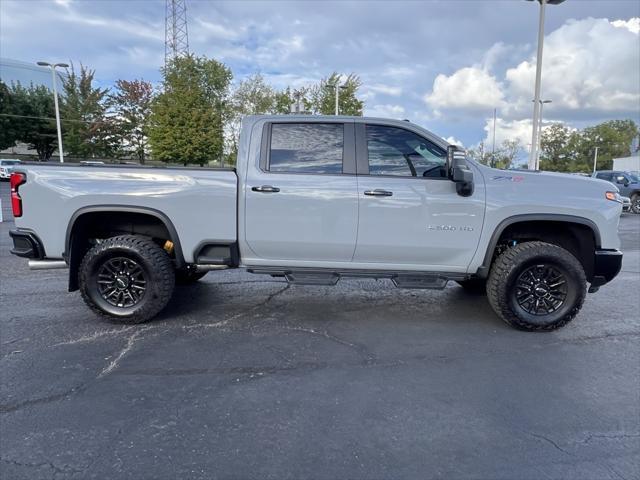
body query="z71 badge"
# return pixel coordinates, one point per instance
(508, 178)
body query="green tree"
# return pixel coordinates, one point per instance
(613, 139)
(8, 132)
(282, 101)
(566, 150)
(86, 130)
(503, 157)
(28, 117)
(130, 105)
(323, 95)
(188, 116)
(555, 148)
(252, 96)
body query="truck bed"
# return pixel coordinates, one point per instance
(200, 203)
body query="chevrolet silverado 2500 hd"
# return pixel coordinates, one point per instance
(314, 199)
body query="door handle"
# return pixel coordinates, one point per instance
(265, 189)
(378, 192)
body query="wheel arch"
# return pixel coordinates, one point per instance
(81, 220)
(571, 225)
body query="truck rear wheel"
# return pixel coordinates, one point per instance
(536, 286)
(126, 279)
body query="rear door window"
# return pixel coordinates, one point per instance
(312, 148)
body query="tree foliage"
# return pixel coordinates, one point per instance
(323, 95)
(252, 96)
(28, 117)
(504, 156)
(130, 105)
(86, 130)
(188, 116)
(567, 150)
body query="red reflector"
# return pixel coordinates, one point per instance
(17, 179)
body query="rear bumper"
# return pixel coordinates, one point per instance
(607, 264)
(26, 244)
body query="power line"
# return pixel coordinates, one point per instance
(49, 118)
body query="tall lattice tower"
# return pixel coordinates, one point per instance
(176, 37)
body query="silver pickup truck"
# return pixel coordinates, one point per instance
(315, 199)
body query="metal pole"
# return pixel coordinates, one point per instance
(539, 136)
(595, 160)
(493, 149)
(536, 108)
(55, 101)
(337, 89)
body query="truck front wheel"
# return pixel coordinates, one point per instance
(126, 279)
(536, 286)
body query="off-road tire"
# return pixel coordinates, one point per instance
(157, 272)
(508, 267)
(188, 276)
(475, 286)
(635, 203)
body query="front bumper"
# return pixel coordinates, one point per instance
(26, 244)
(607, 264)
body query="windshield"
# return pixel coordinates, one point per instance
(633, 177)
(9, 162)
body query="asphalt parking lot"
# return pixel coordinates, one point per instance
(245, 377)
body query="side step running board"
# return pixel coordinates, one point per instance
(430, 280)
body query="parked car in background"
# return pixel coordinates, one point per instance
(5, 167)
(627, 182)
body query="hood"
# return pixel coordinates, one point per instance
(546, 180)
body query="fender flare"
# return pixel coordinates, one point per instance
(74, 263)
(483, 270)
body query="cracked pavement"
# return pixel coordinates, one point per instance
(244, 376)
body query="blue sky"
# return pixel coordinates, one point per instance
(442, 64)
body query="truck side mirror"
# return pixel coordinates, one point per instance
(458, 171)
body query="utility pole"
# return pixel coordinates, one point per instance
(595, 160)
(536, 108)
(55, 102)
(176, 36)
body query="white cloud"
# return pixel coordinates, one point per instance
(454, 141)
(508, 130)
(394, 91)
(216, 30)
(633, 24)
(470, 88)
(389, 111)
(588, 64)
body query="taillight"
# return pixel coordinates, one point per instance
(17, 179)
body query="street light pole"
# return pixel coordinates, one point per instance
(536, 108)
(493, 148)
(337, 88)
(542, 102)
(55, 101)
(595, 160)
